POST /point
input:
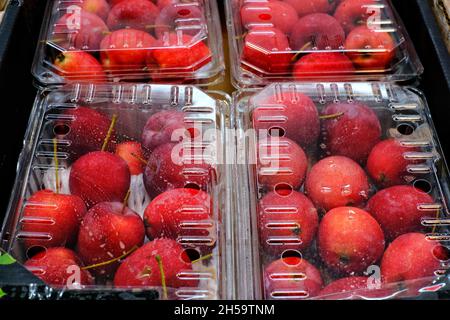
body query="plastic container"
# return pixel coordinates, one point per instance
(136, 40)
(318, 40)
(185, 203)
(315, 216)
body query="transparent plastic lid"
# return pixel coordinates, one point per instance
(344, 193)
(273, 41)
(140, 40)
(121, 189)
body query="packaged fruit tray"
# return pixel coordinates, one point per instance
(133, 40)
(344, 193)
(122, 188)
(290, 40)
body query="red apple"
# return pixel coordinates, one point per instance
(399, 209)
(134, 14)
(276, 14)
(80, 30)
(181, 213)
(114, 2)
(411, 256)
(294, 113)
(322, 64)
(317, 30)
(51, 220)
(287, 221)
(163, 3)
(346, 123)
(178, 52)
(292, 278)
(344, 288)
(142, 269)
(98, 7)
(185, 17)
(79, 66)
(267, 49)
(131, 152)
(354, 13)
(312, 6)
(59, 267)
(87, 130)
(337, 181)
(349, 240)
(388, 165)
(370, 49)
(172, 166)
(99, 177)
(108, 231)
(125, 51)
(281, 163)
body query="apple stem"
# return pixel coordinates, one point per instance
(301, 50)
(163, 276)
(331, 116)
(437, 217)
(206, 257)
(139, 158)
(55, 157)
(125, 200)
(109, 261)
(110, 130)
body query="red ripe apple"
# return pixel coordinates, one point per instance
(169, 167)
(337, 181)
(317, 30)
(141, 268)
(411, 256)
(287, 221)
(344, 288)
(131, 152)
(312, 6)
(80, 30)
(108, 231)
(51, 219)
(370, 49)
(349, 240)
(292, 278)
(79, 66)
(59, 267)
(114, 2)
(276, 14)
(134, 14)
(354, 13)
(125, 51)
(267, 49)
(98, 7)
(186, 17)
(281, 163)
(88, 129)
(296, 114)
(99, 177)
(387, 164)
(322, 64)
(398, 209)
(344, 124)
(163, 3)
(180, 213)
(178, 52)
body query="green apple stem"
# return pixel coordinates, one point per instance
(55, 157)
(104, 263)
(301, 50)
(331, 116)
(125, 200)
(163, 276)
(110, 130)
(139, 158)
(206, 257)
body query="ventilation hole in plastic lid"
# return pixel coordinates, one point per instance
(189, 255)
(192, 185)
(34, 250)
(265, 16)
(423, 185)
(276, 132)
(61, 129)
(405, 129)
(441, 253)
(184, 12)
(283, 189)
(291, 257)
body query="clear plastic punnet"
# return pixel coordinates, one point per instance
(134, 40)
(344, 193)
(122, 192)
(315, 40)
